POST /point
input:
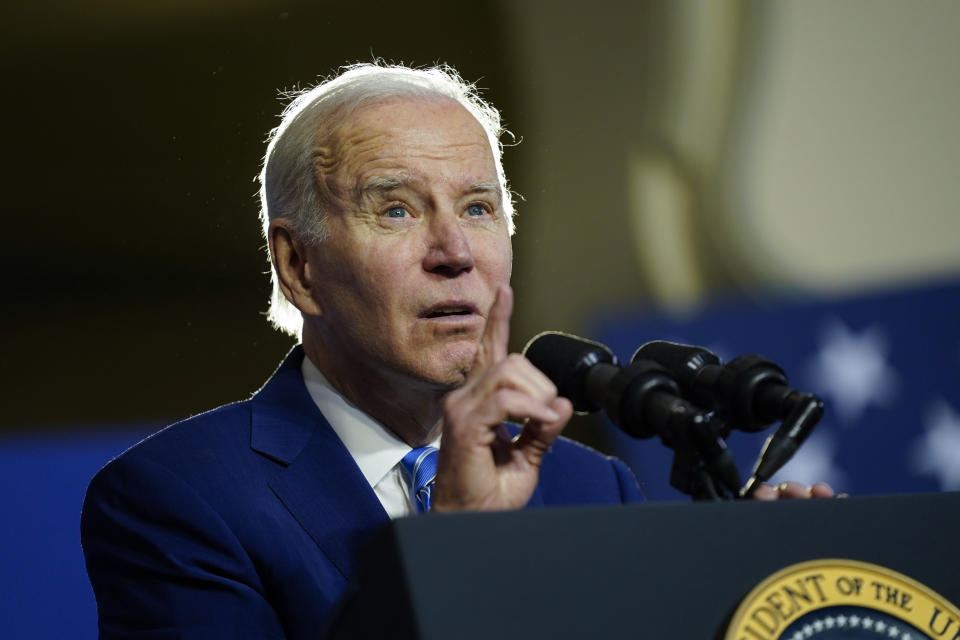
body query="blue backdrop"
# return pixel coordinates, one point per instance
(886, 365)
(45, 592)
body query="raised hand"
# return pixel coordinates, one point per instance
(480, 467)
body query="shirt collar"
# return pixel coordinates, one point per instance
(374, 448)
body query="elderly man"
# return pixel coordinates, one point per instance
(388, 220)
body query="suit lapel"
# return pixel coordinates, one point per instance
(321, 485)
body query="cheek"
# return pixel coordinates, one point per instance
(385, 263)
(380, 276)
(498, 259)
(346, 286)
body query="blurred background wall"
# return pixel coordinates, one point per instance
(680, 162)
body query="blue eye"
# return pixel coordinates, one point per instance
(476, 210)
(396, 212)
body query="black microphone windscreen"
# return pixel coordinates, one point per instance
(683, 361)
(566, 359)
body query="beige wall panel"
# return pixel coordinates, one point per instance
(847, 148)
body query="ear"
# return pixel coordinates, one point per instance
(294, 272)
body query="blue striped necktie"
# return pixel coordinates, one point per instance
(420, 466)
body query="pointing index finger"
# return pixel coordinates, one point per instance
(496, 333)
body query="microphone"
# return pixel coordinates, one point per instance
(642, 398)
(580, 368)
(750, 392)
(784, 442)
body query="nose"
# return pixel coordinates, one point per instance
(448, 248)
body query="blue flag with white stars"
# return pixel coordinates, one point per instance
(887, 366)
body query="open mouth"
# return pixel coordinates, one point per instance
(449, 309)
(443, 313)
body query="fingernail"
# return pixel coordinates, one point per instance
(551, 415)
(782, 486)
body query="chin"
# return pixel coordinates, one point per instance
(450, 368)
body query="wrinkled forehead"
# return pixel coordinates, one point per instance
(414, 118)
(388, 132)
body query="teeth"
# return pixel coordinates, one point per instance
(449, 312)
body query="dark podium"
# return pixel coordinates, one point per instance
(648, 571)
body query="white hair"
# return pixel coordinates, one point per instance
(288, 181)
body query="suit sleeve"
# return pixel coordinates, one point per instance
(164, 564)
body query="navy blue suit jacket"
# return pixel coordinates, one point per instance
(244, 522)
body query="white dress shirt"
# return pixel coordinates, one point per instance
(375, 449)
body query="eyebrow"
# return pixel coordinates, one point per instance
(386, 184)
(381, 185)
(484, 187)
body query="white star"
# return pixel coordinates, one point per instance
(829, 622)
(867, 623)
(908, 636)
(854, 620)
(797, 636)
(813, 462)
(841, 621)
(880, 626)
(938, 451)
(807, 631)
(852, 369)
(894, 631)
(818, 625)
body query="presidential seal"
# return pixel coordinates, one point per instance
(836, 599)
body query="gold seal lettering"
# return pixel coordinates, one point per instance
(753, 634)
(776, 601)
(849, 586)
(796, 591)
(773, 623)
(891, 595)
(948, 622)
